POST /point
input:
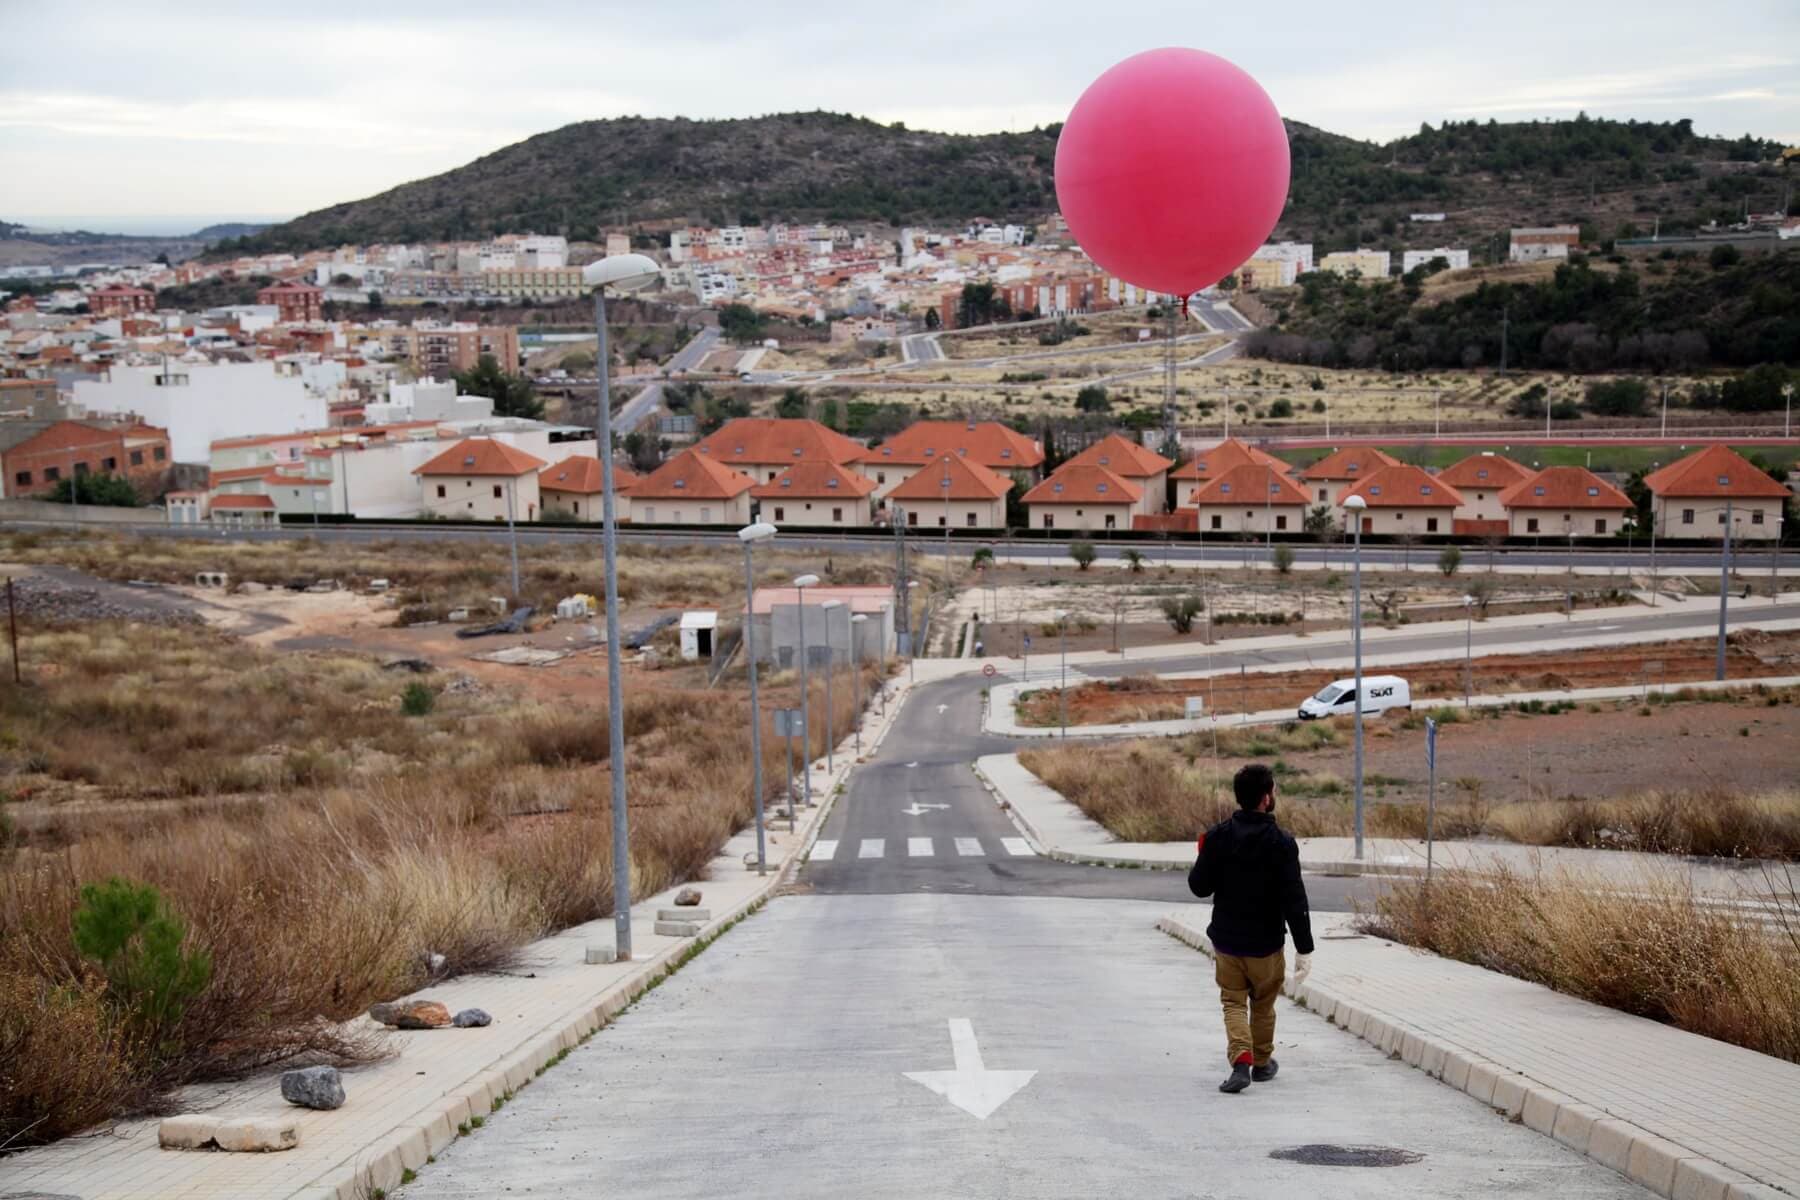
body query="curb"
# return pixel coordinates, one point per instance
(1653, 1162)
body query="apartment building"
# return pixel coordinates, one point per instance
(200, 402)
(297, 302)
(441, 349)
(37, 456)
(120, 300)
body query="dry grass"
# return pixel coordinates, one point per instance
(1658, 952)
(467, 833)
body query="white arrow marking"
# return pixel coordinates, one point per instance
(919, 810)
(912, 764)
(971, 1086)
(942, 709)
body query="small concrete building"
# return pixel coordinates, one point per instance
(817, 493)
(777, 625)
(1145, 469)
(1689, 497)
(1404, 502)
(692, 489)
(244, 512)
(1083, 499)
(1564, 502)
(955, 492)
(1250, 498)
(478, 479)
(1341, 468)
(1481, 478)
(699, 628)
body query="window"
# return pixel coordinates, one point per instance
(1281, 522)
(137, 458)
(780, 514)
(1049, 521)
(81, 469)
(881, 477)
(912, 517)
(1321, 495)
(1721, 518)
(1687, 516)
(23, 478)
(159, 454)
(1756, 518)
(576, 506)
(496, 491)
(1531, 525)
(52, 474)
(1431, 524)
(971, 521)
(837, 514)
(942, 521)
(706, 516)
(1111, 520)
(440, 491)
(1217, 521)
(1599, 524)
(649, 514)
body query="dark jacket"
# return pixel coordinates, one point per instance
(1252, 871)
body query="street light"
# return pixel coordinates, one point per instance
(622, 273)
(762, 531)
(912, 645)
(1062, 691)
(800, 585)
(829, 607)
(1468, 646)
(856, 626)
(1353, 507)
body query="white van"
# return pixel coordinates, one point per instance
(1380, 693)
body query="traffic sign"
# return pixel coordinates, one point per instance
(1028, 641)
(1430, 744)
(988, 670)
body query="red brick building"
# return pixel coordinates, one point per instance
(296, 301)
(121, 301)
(37, 455)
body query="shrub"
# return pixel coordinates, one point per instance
(1449, 561)
(1283, 558)
(417, 700)
(1135, 560)
(1083, 552)
(1181, 611)
(983, 557)
(128, 929)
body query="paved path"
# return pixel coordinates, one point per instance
(776, 1066)
(1684, 1115)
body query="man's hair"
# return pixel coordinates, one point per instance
(1251, 784)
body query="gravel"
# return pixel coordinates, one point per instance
(47, 600)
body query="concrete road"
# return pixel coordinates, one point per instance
(776, 1065)
(635, 410)
(690, 355)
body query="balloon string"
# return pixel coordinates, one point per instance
(1184, 308)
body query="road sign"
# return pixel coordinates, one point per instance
(988, 670)
(787, 722)
(1028, 641)
(1195, 707)
(1430, 744)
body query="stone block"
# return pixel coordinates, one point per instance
(1541, 1107)
(1509, 1095)
(1456, 1070)
(1704, 1179)
(440, 1131)
(683, 914)
(1652, 1163)
(471, 1018)
(601, 954)
(1609, 1143)
(679, 929)
(1412, 1049)
(257, 1134)
(1753, 1191)
(1482, 1077)
(415, 1147)
(313, 1087)
(189, 1131)
(1431, 1060)
(1359, 1021)
(1575, 1125)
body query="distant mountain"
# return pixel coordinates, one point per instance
(230, 229)
(633, 171)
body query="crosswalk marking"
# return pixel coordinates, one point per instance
(970, 848)
(826, 849)
(872, 848)
(919, 847)
(823, 848)
(1017, 847)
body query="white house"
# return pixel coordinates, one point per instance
(201, 402)
(1458, 259)
(481, 479)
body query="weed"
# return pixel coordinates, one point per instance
(477, 1121)
(407, 1175)
(417, 700)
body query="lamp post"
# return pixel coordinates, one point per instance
(856, 627)
(1724, 590)
(512, 536)
(829, 607)
(1787, 420)
(912, 646)
(1353, 508)
(1468, 647)
(750, 535)
(621, 272)
(800, 585)
(1062, 691)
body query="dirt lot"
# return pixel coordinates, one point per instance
(1750, 655)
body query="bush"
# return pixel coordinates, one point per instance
(1135, 560)
(1449, 560)
(1083, 552)
(1281, 409)
(129, 930)
(983, 557)
(1092, 399)
(1181, 611)
(1283, 557)
(417, 700)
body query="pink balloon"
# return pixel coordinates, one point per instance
(1172, 169)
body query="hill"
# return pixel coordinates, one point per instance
(641, 172)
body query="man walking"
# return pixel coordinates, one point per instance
(1252, 870)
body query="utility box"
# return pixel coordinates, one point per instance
(698, 630)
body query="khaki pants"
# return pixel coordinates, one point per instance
(1247, 990)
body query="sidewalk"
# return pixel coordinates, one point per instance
(1686, 1116)
(1060, 830)
(409, 1107)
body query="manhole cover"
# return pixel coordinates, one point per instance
(1326, 1155)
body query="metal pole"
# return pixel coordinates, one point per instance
(12, 623)
(1652, 552)
(512, 535)
(1468, 652)
(790, 770)
(1430, 808)
(830, 708)
(1356, 640)
(1062, 695)
(805, 709)
(615, 693)
(756, 758)
(1665, 408)
(1724, 591)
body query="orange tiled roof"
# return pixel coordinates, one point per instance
(1249, 483)
(1352, 462)
(769, 441)
(1564, 487)
(813, 481)
(1484, 471)
(1401, 486)
(481, 456)
(691, 475)
(1084, 483)
(1123, 457)
(993, 445)
(250, 501)
(580, 474)
(1718, 472)
(1227, 455)
(968, 481)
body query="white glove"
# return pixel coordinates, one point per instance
(1302, 968)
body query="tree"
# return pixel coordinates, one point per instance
(932, 320)
(1320, 523)
(1618, 398)
(1283, 557)
(1281, 409)
(1092, 399)
(137, 939)
(1389, 603)
(1529, 404)
(1083, 552)
(741, 323)
(1181, 611)
(792, 406)
(1483, 589)
(113, 491)
(1449, 560)
(1723, 256)
(376, 303)
(512, 394)
(1135, 560)
(983, 557)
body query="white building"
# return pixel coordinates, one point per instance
(1458, 259)
(1299, 253)
(427, 400)
(200, 403)
(545, 251)
(1536, 244)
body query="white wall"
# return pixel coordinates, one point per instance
(479, 497)
(1081, 518)
(852, 510)
(1239, 518)
(1558, 522)
(224, 400)
(735, 511)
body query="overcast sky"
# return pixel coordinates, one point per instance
(151, 115)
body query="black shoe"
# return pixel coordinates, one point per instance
(1238, 1080)
(1265, 1072)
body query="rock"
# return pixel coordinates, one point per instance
(252, 1134)
(434, 962)
(601, 954)
(189, 1131)
(411, 1014)
(687, 897)
(313, 1087)
(678, 929)
(472, 1018)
